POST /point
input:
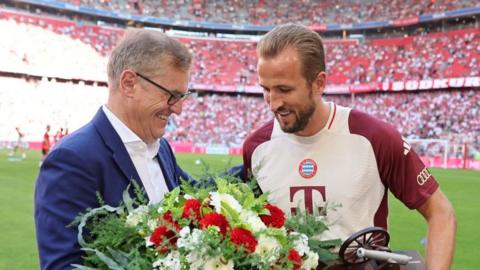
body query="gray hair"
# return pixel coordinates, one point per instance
(148, 52)
(306, 42)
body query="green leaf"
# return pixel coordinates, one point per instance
(277, 234)
(99, 198)
(206, 210)
(325, 255)
(169, 202)
(325, 243)
(249, 201)
(139, 193)
(127, 200)
(187, 187)
(222, 185)
(202, 194)
(82, 267)
(108, 261)
(229, 212)
(120, 257)
(93, 213)
(236, 192)
(263, 197)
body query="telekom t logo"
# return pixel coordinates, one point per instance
(308, 195)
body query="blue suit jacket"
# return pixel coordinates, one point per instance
(89, 160)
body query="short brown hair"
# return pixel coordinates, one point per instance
(147, 52)
(306, 42)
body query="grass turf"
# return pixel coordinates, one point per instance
(18, 248)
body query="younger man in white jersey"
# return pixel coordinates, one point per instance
(315, 152)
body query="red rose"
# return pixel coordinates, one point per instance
(168, 218)
(295, 258)
(159, 235)
(276, 218)
(245, 238)
(215, 219)
(191, 208)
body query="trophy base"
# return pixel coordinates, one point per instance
(415, 264)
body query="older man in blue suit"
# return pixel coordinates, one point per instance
(148, 79)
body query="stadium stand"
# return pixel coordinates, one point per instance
(451, 115)
(232, 62)
(226, 119)
(261, 12)
(48, 102)
(65, 72)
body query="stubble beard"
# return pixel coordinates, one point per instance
(302, 117)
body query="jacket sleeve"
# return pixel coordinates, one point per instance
(64, 188)
(237, 171)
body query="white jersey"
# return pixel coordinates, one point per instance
(351, 162)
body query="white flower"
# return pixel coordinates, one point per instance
(268, 248)
(252, 219)
(300, 243)
(148, 243)
(152, 224)
(171, 262)
(197, 236)
(311, 262)
(184, 232)
(195, 260)
(190, 241)
(136, 216)
(218, 263)
(218, 198)
(191, 244)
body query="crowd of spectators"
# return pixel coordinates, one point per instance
(272, 12)
(218, 119)
(223, 62)
(221, 119)
(224, 119)
(36, 46)
(441, 55)
(100, 38)
(84, 49)
(57, 48)
(449, 115)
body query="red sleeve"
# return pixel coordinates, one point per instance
(261, 135)
(399, 167)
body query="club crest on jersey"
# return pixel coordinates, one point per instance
(307, 168)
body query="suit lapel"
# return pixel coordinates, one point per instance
(116, 146)
(167, 174)
(125, 164)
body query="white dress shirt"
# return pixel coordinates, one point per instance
(143, 156)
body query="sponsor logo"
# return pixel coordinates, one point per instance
(307, 168)
(423, 176)
(308, 191)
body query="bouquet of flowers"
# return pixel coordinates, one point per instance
(224, 225)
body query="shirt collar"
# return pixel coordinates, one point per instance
(127, 135)
(153, 148)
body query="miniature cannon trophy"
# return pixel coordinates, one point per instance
(368, 250)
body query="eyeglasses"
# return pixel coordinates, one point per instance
(174, 96)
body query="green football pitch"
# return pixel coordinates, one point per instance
(407, 229)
